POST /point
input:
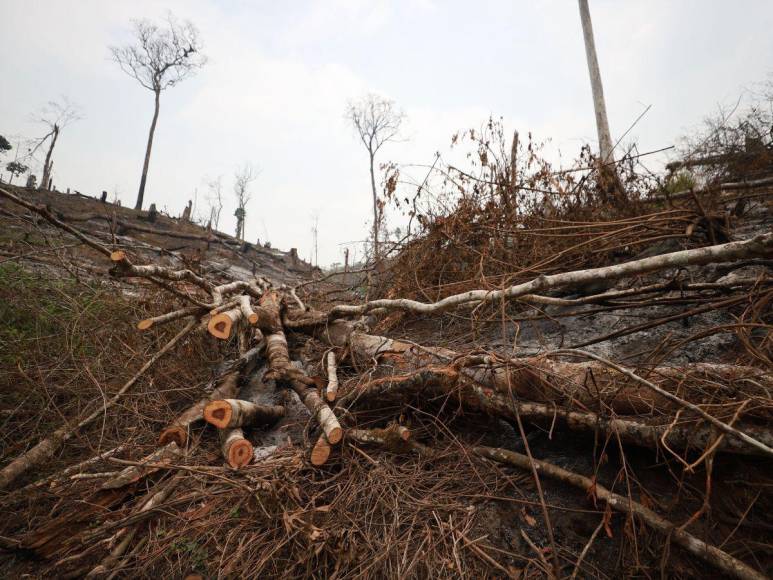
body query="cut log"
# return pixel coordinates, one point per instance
(237, 451)
(319, 409)
(394, 437)
(178, 430)
(320, 453)
(332, 377)
(220, 325)
(247, 312)
(229, 413)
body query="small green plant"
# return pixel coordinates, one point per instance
(190, 549)
(680, 181)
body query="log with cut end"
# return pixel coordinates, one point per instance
(117, 256)
(237, 450)
(332, 377)
(228, 413)
(320, 453)
(178, 430)
(319, 409)
(220, 325)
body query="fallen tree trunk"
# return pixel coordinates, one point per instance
(542, 379)
(501, 391)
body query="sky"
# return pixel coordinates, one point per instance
(280, 75)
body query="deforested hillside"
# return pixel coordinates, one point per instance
(580, 386)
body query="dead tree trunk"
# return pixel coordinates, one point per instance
(48, 164)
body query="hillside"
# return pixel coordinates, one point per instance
(592, 400)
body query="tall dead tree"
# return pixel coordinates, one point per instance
(161, 57)
(55, 116)
(242, 179)
(606, 149)
(377, 122)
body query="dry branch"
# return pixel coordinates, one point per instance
(720, 559)
(759, 246)
(46, 448)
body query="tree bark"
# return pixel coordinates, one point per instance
(599, 105)
(146, 164)
(606, 152)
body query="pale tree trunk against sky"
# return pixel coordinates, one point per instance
(606, 153)
(47, 164)
(143, 180)
(375, 208)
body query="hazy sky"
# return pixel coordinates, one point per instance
(280, 74)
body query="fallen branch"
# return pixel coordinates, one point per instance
(706, 552)
(46, 448)
(759, 246)
(332, 377)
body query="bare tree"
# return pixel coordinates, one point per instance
(215, 200)
(606, 149)
(55, 116)
(377, 122)
(315, 237)
(243, 177)
(161, 57)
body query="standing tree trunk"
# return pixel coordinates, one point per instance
(375, 208)
(141, 193)
(47, 164)
(606, 150)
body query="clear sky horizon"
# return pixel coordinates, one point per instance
(280, 74)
